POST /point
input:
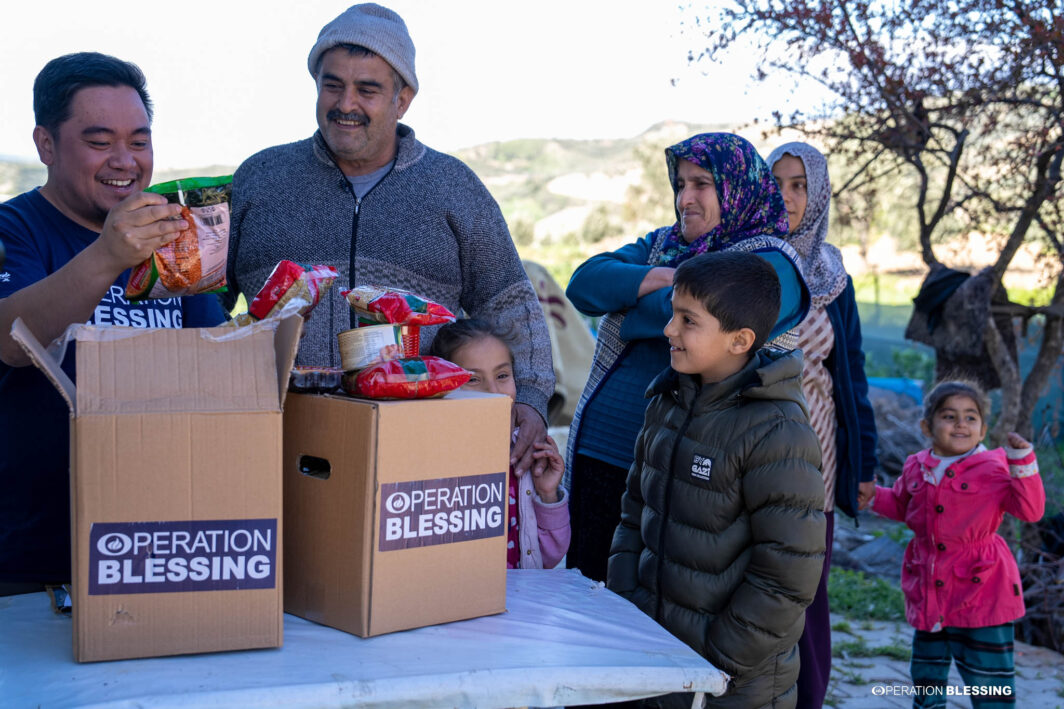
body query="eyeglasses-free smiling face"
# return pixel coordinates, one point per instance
(698, 345)
(358, 110)
(696, 200)
(956, 427)
(99, 156)
(489, 360)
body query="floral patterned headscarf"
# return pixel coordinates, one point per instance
(822, 264)
(750, 200)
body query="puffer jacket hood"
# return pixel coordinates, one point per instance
(770, 375)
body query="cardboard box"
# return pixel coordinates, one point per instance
(175, 486)
(395, 511)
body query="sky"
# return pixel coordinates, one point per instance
(229, 78)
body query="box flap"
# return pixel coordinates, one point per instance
(131, 370)
(286, 344)
(21, 334)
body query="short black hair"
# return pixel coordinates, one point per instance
(60, 79)
(739, 289)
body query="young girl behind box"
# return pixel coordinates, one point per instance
(961, 582)
(538, 531)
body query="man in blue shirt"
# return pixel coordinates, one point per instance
(69, 247)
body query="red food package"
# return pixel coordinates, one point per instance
(392, 305)
(413, 378)
(290, 280)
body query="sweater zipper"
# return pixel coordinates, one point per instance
(352, 318)
(354, 230)
(668, 502)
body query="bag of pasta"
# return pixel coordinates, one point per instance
(382, 304)
(412, 378)
(289, 281)
(195, 261)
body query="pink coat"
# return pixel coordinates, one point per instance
(543, 528)
(958, 570)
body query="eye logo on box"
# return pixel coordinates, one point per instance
(114, 544)
(167, 557)
(442, 511)
(397, 503)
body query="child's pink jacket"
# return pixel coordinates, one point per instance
(958, 570)
(543, 528)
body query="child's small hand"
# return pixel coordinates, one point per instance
(546, 482)
(1015, 440)
(866, 492)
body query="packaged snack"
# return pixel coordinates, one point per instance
(240, 320)
(320, 380)
(413, 378)
(392, 305)
(291, 280)
(194, 262)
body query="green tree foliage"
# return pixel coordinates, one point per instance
(648, 203)
(522, 232)
(600, 225)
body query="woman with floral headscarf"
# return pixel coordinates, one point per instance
(833, 382)
(725, 198)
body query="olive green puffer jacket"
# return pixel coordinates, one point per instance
(722, 526)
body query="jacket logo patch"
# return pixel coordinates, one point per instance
(701, 467)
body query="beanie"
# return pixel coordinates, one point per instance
(376, 28)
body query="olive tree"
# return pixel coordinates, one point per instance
(964, 97)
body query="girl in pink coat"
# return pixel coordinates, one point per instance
(538, 511)
(961, 583)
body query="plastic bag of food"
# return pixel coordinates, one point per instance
(412, 378)
(320, 380)
(194, 262)
(291, 280)
(377, 304)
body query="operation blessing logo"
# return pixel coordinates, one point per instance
(442, 511)
(164, 557)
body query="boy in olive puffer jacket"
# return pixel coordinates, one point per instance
(721, 537)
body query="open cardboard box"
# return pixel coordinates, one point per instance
(175, 485)
(395, 511)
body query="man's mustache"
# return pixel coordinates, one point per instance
(335, 115)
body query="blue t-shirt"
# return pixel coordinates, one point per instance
(34, 419)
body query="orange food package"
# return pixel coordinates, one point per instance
(195, 261)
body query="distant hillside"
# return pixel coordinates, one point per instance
(547, 189)
(17, 177)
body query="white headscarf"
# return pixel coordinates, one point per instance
(822, 264)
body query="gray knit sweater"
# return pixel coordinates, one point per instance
(429, 226)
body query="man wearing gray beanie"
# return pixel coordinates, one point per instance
(365, 196)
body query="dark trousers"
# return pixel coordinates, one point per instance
(814, 647)
(594, 513)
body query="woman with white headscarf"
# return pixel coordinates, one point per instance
(833, 381)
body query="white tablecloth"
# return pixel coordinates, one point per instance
(563, 640)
